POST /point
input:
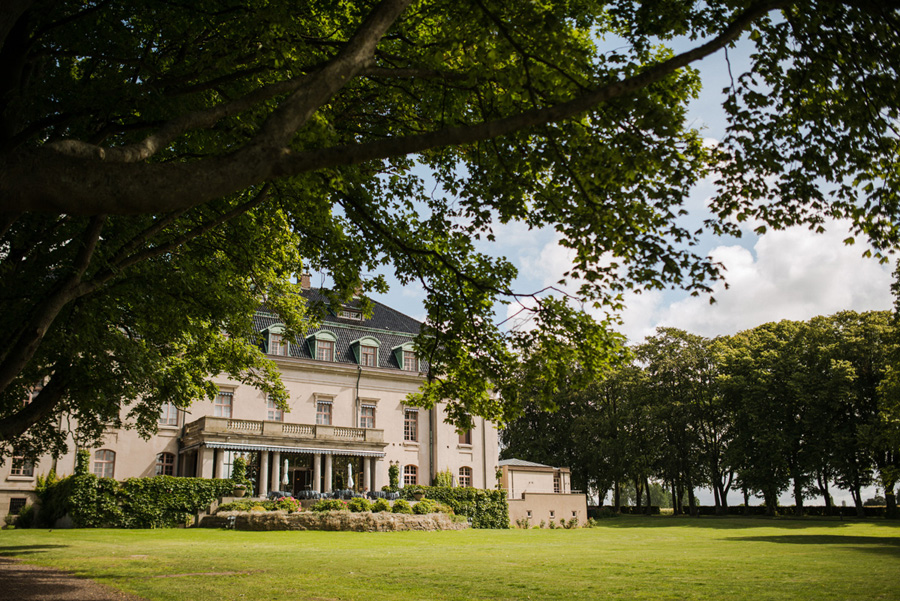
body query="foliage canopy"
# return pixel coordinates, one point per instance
(166, 167)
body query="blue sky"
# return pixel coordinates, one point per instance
(789, 274)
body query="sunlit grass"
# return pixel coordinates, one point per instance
(626, 558)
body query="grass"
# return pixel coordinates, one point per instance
(625, 558)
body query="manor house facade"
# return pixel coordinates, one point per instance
(347, 420)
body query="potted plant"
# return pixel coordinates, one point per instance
(418, 493)
(239, 477)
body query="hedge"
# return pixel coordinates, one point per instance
(157, 502)
(483, 508)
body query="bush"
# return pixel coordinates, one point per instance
(425, 506)
(157, 502)
(381, 505)
(359, 505)
(394, 477)
(329, 505)
(523, 523)
(443, 479)
(289, 504)
(401, 506)
(483, 508)
(572, 524)
(25, 518)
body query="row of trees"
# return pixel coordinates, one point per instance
(799, 406)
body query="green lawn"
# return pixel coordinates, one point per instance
(629, 558)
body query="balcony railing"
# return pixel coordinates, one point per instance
(253, 428)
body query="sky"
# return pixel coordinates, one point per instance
(788, 274)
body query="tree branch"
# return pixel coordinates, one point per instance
(44, 403)
(25, 343)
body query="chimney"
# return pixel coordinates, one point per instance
(304, 281)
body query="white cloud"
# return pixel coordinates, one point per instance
(791, 274)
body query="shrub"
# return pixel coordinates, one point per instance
(483, 508)
(329, 505)
(25, 519)
(82, 462)
(523, 523)
(381, 505)
(359, 505)
(425, 506)
(394, 476)
(443, 479)
(401, 506)
(289, 504)
(572, 524)
(258, 508)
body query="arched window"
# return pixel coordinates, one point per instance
(365, 350)
(410, 475)
(465, 476)
(104, 463)
(165, 464)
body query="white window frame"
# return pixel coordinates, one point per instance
(273, 412)
(104, 467)
(410, 434)
(168, 414)
(362, 416)
(320, 414)
(162, 464)
(219, 409)
(410, 475)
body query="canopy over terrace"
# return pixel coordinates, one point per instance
(299, 455)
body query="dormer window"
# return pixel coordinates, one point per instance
(406, 357)
(324, 350)
(322, 346)
(354, 314)
(366, 351)
(276, 343)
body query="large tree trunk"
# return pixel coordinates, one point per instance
(746, 500)
(890, 500)
(826, 494)
(617, 496)
(798, 496)
(637, 494)
(649, 500)
(674, 498)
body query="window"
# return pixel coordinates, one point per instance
(411, 425)
(350, 314)
(223, 404)
(273, 412)
(552, 514)
(410, 362)
(16, 504)
(324, 350)
(104, 463)
(165, 464)
(367, 416)
(21, 466)
(323, 413)
(277, 344)
(168, 415)
(466, 437)
(410, 475)
(528, 514)
(465, 476)
(368, 356)
(556, 484)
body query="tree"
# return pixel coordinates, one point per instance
(165, 168)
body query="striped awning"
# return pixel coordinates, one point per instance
(305, 450)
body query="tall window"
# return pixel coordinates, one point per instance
(324, 350)
(165, 464)
(277, 345)
(368, 355)
(168, 415)
(410, 475)
(367, 416)
(21, 466)
(466, 437)
(273, 412)
(556, 484)
(223, 404)
(411, 425)
(465, 476)
(104, 463)
(323, 413)
(410, 362)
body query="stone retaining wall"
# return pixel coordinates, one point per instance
(330, 520)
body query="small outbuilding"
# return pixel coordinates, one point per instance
(541, 493)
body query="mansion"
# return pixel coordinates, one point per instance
(346, 423)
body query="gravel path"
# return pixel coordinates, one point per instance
(23, 582)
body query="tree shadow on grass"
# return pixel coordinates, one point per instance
(885, 545)
(739, 522)
(25, 582)
(17, 550)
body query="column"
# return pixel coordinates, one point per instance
(276, 470)
(206, 463)
(328, 472)
(220, 464)
(367, 473)
(264, 474)
(317, 472)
